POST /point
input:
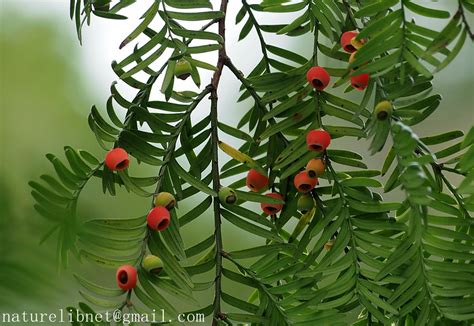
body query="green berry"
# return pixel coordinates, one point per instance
(152, 264)
(305, 203)
(227, 195)
(383, 110)
(182, 69)
(165, 199)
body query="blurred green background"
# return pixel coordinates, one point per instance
(47, 86)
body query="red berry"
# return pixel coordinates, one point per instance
(303, 182)
(346, 39)
(256, 181)
(158, 218)
(271, 209)
(360, 82)
(117, 159)
(318, 77)
(315, 167)
(318, 140)
(126, 277)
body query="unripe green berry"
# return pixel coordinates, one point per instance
(152, 264)
(305, 203)
(227, 195)
(383, 110)
(165, 199)
(182, 69)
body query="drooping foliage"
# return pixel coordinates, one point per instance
(390, 262)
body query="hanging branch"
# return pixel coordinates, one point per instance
(322, 252)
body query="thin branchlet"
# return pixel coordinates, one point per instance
(465, 20)
(222, 57)
(263, 44)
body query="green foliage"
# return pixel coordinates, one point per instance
(389, 261)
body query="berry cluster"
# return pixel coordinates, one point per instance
(319, 77)
(305, 181)
(158, 219)
(258, 182)
(350, 44)
(126, 275)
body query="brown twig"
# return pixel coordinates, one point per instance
(464, 20)
(215, 166)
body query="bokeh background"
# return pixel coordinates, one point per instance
(48, 82)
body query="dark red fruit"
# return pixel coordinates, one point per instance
(303, 182)
(318, 140)
(360, 82)
(318, 77)
(256, 181)
(126, 277)
(346, 39)
(158, 218)
(271, 209)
